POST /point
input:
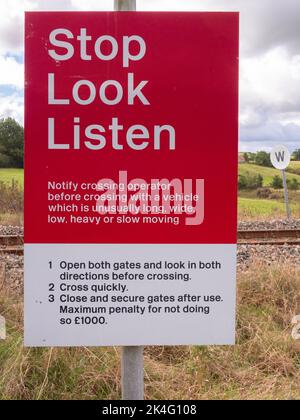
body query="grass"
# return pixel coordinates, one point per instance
(264, 365)
(259, 208)
(295, 164)
(267, 173)
(11, 196)
(11, 203)
(7, 175)
(12, 219)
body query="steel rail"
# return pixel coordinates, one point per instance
(13, 244)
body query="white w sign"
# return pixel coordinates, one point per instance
(280, 157)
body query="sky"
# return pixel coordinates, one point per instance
(269, 61)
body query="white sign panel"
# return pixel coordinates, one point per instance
(130, 294)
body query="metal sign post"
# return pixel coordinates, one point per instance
(132, 373)
(280, 158)
(132, 357)
(125, 5)
(286, 194)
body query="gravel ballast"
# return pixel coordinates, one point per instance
(11, 230)
(270, 225)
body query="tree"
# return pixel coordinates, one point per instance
(246, 157)
(250, 157)
(296, 155)
(263, 159)
(277, 182)
(249, 181)
(12, 141)
(242, 182)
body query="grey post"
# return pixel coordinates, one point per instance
(132, 373)
(132, 357)
(286, 195)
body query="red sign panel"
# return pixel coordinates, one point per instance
(131, 127)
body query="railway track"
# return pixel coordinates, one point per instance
(11, 244)
(14, 244)
(269, 237)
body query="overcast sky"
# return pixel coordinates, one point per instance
(269, 65)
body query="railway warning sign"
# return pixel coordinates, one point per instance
(130, 178)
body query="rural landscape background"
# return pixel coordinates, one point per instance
(265, 363)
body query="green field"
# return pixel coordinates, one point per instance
(267, 173)
(294, 167)
(249, 205)
(256, 208)
(7, 175)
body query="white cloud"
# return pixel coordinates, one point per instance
(103, 5)
(48, 5)
(269, 99)
(272, 78)
(10, 26)
(264, 24)
(12, 20)
(12, 106)
(270, 58)
(11, 72)
(268, 135)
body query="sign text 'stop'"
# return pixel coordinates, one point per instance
(104, 47)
